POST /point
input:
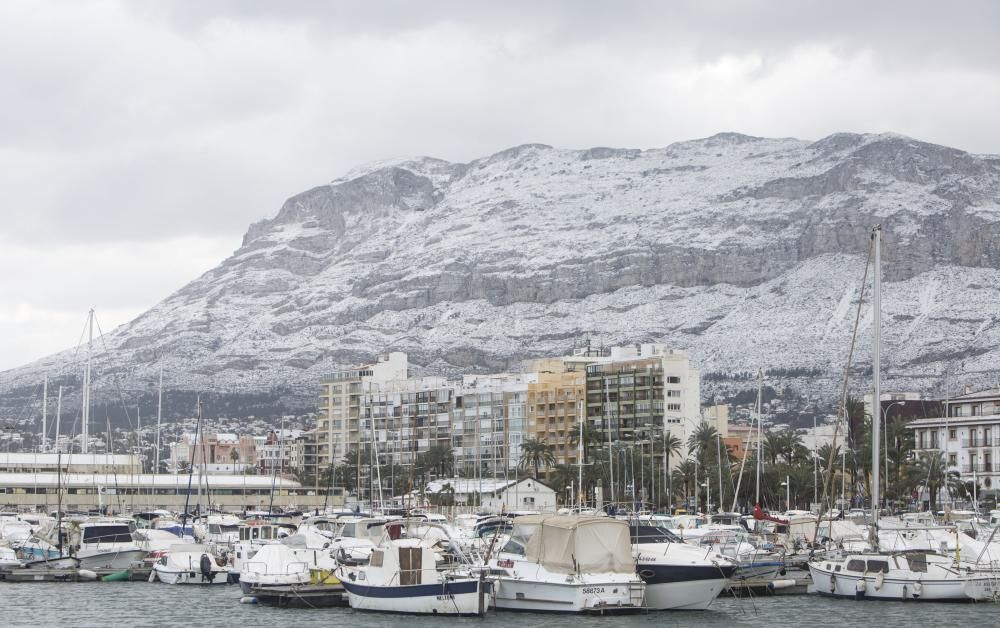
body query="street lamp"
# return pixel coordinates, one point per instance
(885, 428)
(788, 493)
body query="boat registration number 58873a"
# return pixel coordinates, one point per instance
(586, 590)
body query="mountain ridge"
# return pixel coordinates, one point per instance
(530, 249)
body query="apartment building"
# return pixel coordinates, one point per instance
(338, 419)
(481, 442)
(968, 435)
(555, 406)
(642, 389)
(407, 417)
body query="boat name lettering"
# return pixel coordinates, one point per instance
(593, 590)
(505, 563)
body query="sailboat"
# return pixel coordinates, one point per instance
(902, 575)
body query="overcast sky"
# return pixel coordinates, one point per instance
(138, 140)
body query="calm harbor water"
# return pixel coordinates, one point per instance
(104, 605)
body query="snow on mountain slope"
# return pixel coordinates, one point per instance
(748, 251)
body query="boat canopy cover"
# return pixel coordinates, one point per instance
(568, 544)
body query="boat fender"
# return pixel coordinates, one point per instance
(879, 580)
(248, 599)
(918, 589)
(859, 588)
(86, 574)
(833, 583)
(152, 576)
(781, 584)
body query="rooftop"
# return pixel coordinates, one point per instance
(953, 420)
(162, 480)
(989, 393)
(67, 459)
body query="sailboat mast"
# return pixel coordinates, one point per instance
(159, 417)
(760, 435)
(579, 453)
(611, 452)
(58, 476)
(85, 433)
(718, 453)
(876, 375)
(45, 409)
(194, 448)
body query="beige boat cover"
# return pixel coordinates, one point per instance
(570, 544)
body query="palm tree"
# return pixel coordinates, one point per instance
(562, 476)
(854, 410)
(931, 472)
(234, 455)
(439, 460)
(702, 440)
(536, 454)
(899, 443)
(684, 475)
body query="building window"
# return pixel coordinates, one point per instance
(952, 460)
(952, 434)
(673, 407)
(672, 379)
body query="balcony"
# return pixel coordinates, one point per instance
(986, 467)
(970, 443)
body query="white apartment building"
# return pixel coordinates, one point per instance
(968, 436)
(337, 423)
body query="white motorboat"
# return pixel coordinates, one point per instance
(678, 576)
(107, 544)
(751, 561)
(281, 564)
(567, 564)
(356, 538)
(8, 558)
(402, 577)
(903, 576)
(253, 535)
(190, 563)
(218, 529)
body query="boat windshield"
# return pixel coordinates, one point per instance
(652, 534)
(107, 534)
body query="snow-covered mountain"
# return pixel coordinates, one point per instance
(747, 251)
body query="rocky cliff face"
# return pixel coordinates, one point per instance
(747, 251)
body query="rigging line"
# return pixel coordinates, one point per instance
(110, 452)
(118, 388)
(843, 398)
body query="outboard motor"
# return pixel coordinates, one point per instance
(206, 568)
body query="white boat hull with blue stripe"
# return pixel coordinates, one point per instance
(451, 597)
(402, 577)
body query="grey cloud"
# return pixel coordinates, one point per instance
(904, 31)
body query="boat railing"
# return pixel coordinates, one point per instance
(260, 568)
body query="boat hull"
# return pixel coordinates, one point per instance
(170, 576)
(455, 597)
(112, 560)
(683, 587)
(768, 570)
(250, 582)
(554, 597)
(846, 585)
